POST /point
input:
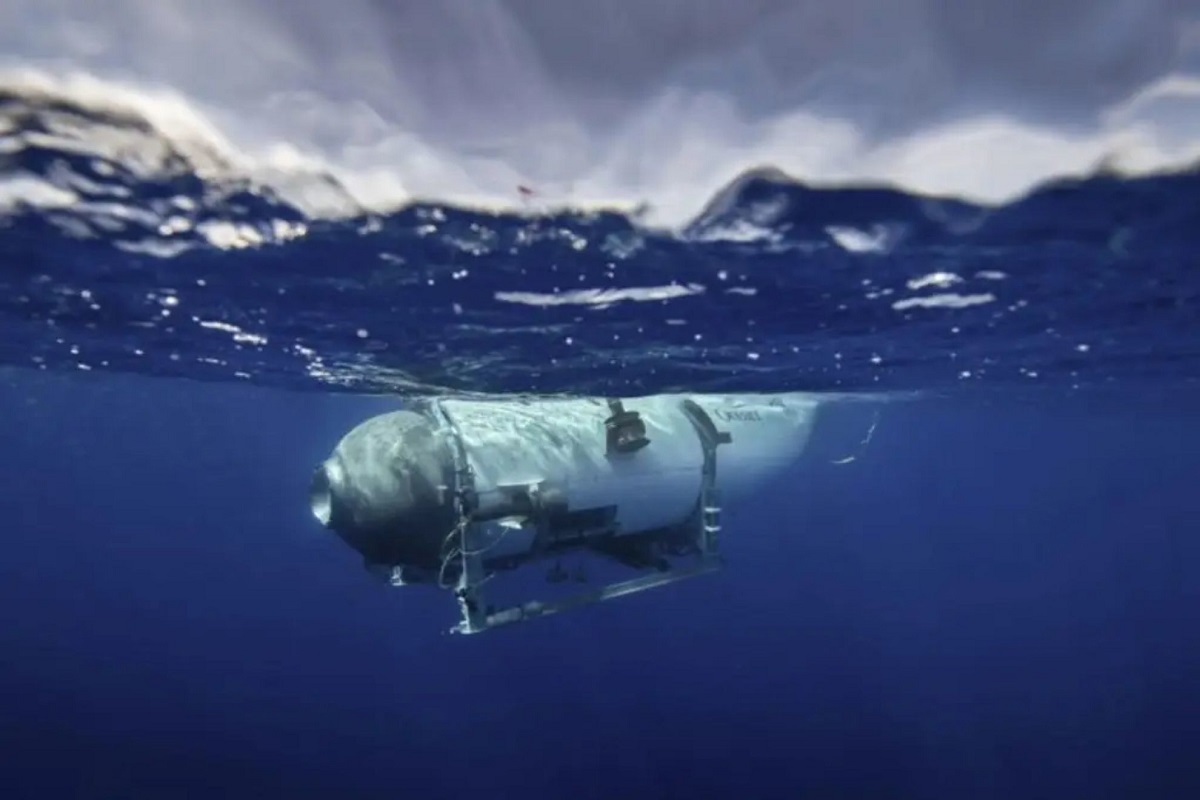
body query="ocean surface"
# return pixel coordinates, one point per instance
(980, 581)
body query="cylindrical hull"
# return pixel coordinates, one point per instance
(526, 473)
(562, 441)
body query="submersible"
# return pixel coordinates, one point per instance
(450, 491)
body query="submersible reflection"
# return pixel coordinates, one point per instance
(453, 491)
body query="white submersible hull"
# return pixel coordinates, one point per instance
(451, 491)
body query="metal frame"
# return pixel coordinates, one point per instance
(475, 617)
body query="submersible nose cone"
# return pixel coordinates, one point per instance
(382, 490)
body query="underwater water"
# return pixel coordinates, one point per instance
(980, 580)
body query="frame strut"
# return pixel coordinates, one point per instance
(475, 617)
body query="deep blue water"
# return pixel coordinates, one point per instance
(997, 598)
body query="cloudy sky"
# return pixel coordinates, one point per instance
(660, 100)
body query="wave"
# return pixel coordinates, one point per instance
(97, 164)
(775, 282)
(651, 112)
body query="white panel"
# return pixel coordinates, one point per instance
(769, 433)
(563, 441)
(526, 441)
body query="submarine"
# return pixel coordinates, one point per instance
(451, 491)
